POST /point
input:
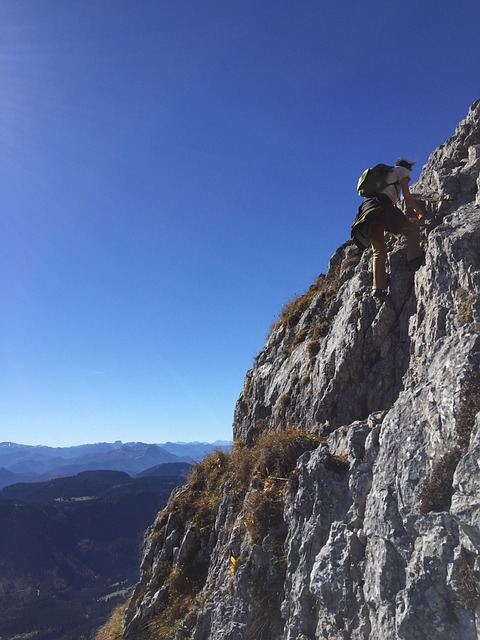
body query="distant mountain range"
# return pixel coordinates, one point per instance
(26, 463)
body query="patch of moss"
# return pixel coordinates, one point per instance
(313, 347)
(469, 593)
(330, 370)
(284, 401)
(466, 300)
(469, 406)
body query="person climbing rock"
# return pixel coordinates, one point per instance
(381, 188)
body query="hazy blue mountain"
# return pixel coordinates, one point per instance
(195, 450)
(167, 469)
(6, 477)
(27, 463)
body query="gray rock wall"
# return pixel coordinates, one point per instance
(380, 533)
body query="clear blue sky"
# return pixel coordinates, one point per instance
(173, 171)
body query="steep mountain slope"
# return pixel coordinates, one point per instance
(349, 507)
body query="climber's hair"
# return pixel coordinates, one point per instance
(403, 162)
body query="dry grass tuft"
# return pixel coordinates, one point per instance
(113, 628)
(469, 408)
(466, 301)
(469, 595)
(275, 458)
(436, 495)
(325, 290)
(265, 467)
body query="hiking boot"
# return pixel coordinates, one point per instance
(415, 264)
(380, 294)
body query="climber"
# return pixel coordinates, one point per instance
(378, 213)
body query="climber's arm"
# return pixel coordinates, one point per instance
(409, 199)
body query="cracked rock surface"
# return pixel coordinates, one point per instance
(380, 523)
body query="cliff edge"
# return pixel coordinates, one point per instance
(350, 505)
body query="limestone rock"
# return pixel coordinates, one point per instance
(375, 534)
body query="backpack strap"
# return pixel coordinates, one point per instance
(395, 184)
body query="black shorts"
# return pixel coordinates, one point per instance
(383, 209)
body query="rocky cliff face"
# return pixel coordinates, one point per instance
(350, 506)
